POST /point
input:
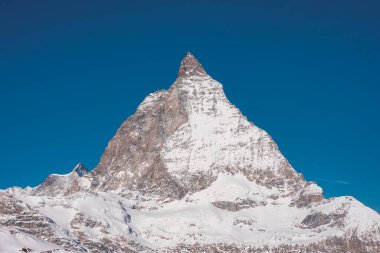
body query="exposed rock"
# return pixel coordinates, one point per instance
(234, 206)
(63, 185)
(187, 172)
(190, 66)
(311, 193)
(318, 219)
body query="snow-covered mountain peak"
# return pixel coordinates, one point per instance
(187, 172)
(180, 139)
(190, 66)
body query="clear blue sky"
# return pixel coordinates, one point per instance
(305, 71)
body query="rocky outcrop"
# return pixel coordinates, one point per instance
(237, 205)
(319, 219)
(311, 193)
(63, 185)
(190, 66)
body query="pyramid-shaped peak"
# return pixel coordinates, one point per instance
(190, 66)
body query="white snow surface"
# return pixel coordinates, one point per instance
(13, 241)
(194, 219)
(217, 136)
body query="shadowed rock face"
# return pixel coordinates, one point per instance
(132, 158)
(81, 170)
(319, 219)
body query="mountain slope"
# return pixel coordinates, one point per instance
(179, 140)
(189, 173)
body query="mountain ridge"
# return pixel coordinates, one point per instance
(187, 172)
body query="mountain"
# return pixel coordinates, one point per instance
(62, 185)
(187, 172)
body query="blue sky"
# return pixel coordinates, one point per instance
(305, 71)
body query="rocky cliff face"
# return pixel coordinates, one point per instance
(188, 173)
(179, 140)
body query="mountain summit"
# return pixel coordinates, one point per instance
(190, 66)
(187, 172)
(180, 140)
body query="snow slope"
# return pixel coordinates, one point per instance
(14, 241)
(186, 173)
